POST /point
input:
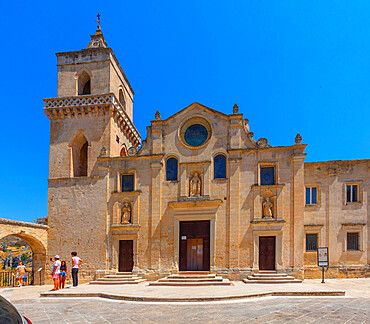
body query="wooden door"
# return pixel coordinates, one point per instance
(267, 252)
(199, 230)
(195, 254)
(126, 255)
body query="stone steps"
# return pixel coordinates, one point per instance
(120, 278)
(192, 279)
(270, 277)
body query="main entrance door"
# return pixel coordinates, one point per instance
(126, 255)
(194, 246)
(267, 252)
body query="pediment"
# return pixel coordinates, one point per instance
(195, 107)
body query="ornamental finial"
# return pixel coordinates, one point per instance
(298, 139)
(157, 115)
(235, 109)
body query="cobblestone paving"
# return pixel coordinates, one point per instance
(261, 310)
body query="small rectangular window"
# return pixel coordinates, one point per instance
(127, 182)
(267, 176)
(311, 195)
(353, 242)
(352, 193)
(311, 242)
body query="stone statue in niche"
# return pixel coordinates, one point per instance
(195, 185)
(267, 208)
(126, 213)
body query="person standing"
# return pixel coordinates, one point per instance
(76, 262)
(55, 270)
(19, 273)
(25, 277)
(63, 274)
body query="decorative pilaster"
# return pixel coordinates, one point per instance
(234, 212)
(155, 216)
(297, 220)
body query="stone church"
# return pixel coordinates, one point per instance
(200, 193)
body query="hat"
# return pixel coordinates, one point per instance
(57, 257)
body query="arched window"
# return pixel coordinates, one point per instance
(171, 169)
(219, 163)
(121, 98)
(84, 84)
(79, 154)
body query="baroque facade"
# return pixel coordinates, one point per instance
(198, 194)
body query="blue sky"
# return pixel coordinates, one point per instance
(292, 66)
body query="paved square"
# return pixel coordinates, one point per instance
(354, 307)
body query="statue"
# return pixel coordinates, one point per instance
(267, 207)
(195, 185)
(126, 213)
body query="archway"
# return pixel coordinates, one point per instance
(38, 251)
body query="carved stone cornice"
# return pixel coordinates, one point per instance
(204, 204)
(89, 106)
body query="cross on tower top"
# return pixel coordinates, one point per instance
(98, 20)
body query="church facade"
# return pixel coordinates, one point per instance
(198, 194)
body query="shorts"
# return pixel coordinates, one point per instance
(24, 280)
(63, 274)
(55, 275)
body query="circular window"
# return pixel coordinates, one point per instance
(195, 132)
(196, 135)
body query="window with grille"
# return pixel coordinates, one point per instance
(311, 242)
(352, 193)
(267, 176)
(311, 195)
(353, 242)
(127, 182)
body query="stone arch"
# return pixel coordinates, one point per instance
(39, 252)
(83, 82)
(79, 159)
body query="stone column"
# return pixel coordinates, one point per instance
(155, 216)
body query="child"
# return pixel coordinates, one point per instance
(25, 278)
(63, 274)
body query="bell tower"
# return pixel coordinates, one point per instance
(90, 122)
(93, 110)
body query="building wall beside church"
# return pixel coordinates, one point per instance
(332, 217)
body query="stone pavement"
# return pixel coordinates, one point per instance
(143, 292)
(354, 307)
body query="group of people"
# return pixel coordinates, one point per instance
(21, 273)
(59, 271)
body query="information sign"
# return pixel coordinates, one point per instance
(323, 257)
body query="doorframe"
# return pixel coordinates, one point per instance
(194, 218)
(278, 248)
(115, 250)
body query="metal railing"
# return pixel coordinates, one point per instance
(8, 279)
